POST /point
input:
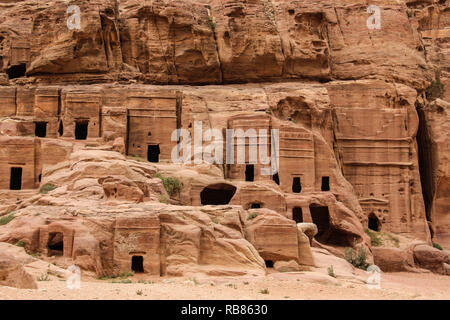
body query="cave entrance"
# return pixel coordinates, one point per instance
(217, 194)
(15, 179)
(269, 263)
(137, 264)
(40, 129)
(296, 185)
(297, 214)
(327, 234)
(325, 184)
(321, 218)
(153, 152)
(249, 172)
(255, 205)
(81, 129)
(373, 223)
(276, 178)
(55, 244)
(17, 71)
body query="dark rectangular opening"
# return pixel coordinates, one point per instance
(40, 129)
(269, 263)
(325, 184)
(17, 71)
(327, 234)
(55, 244)
(256, 205)
(217, 194)
(276, 178)
(15, 180)
(321, 218)
(61, 129)
(249, 172)
(296, 185)
(153, 152)
(81, 129)
(373, 222)
(137, 264)
(297, 214)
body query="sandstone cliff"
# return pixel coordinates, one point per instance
(362, 114)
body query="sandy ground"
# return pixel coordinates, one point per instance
(294, 286)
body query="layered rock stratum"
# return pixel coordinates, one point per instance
(87, 116)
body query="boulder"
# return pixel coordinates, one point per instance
(324, 260)
(12, 272)
(429, 258)
(393, 259)
(286, 266)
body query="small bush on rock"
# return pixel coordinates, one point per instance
(437, 246)
(43, 277)
(375, 239)
(20, 244)
(171, 184)
(357, 259)
(6, 219)
(46, 188)
(264, 291)
(252, 216)
(331, 272)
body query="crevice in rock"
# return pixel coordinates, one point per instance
(216, 45)
(339, 25)
(161, 44)
(424, 145)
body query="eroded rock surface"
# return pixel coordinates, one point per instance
(87, 116)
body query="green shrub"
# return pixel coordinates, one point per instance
(46, 188)
(212, 23)
(137, 158)
(331, 272)
(139, 292)
(264, 291)
(6, 219)
(43, 277)
(393, 239)
(437, 246)
(122, 281)
(124, 275)
(252, 216)
(171, 184)
(163, 199)
(20, 244)
(357, 259)
(375, 239)
(435, 90)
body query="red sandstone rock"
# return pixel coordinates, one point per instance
(355, 146)
(429, 258)
(393, 259)
(12, 272)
